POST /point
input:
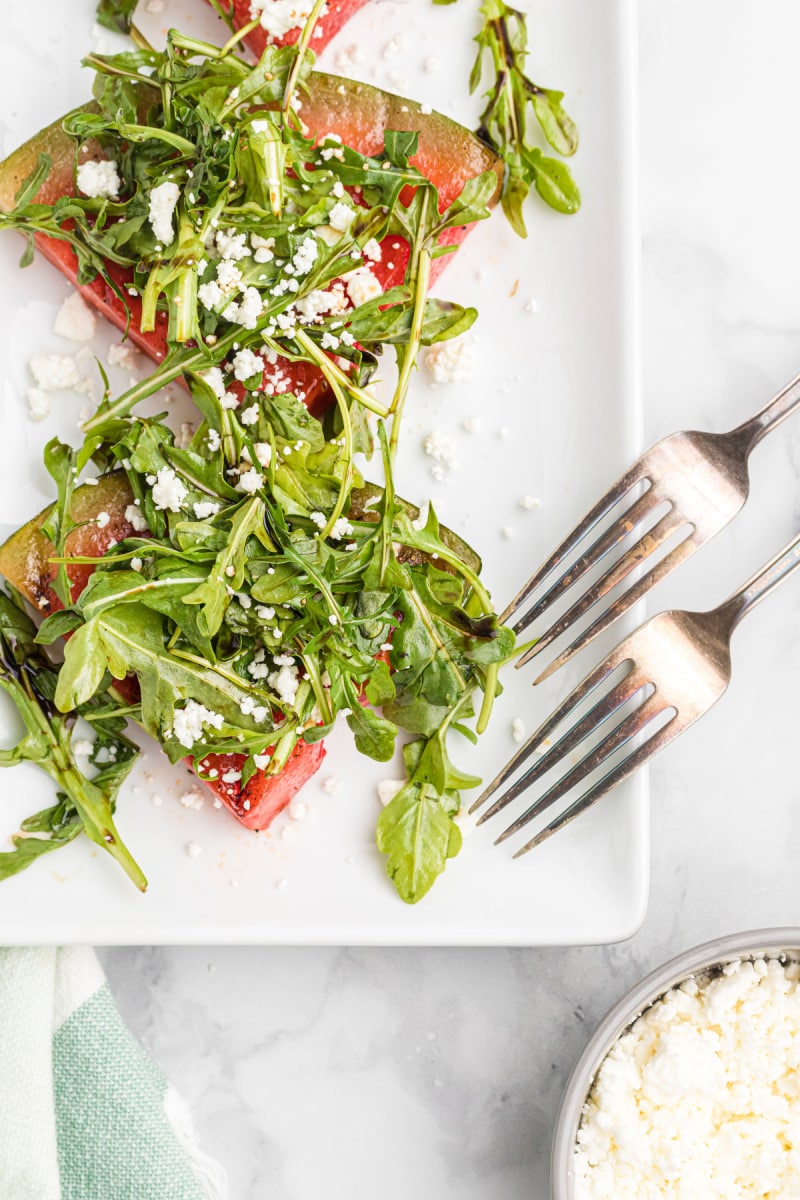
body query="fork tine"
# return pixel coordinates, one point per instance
(605, 708)
(669, 524)
(583, 689)
(649, 580)
(628, 728)
(643, 754)
(622, 528)
(595, 514)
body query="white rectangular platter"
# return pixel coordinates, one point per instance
(554, 395)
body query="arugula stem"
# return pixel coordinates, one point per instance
(422, 275)
(489, 693)
(347, 429)
(300, 53)
(323, 700)
(237, 37)
(332, 371)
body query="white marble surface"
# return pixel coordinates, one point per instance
(436, 1074)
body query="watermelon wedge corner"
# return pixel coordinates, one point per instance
(335, 14)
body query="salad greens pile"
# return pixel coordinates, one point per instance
(266, 588)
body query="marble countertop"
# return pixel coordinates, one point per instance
(437, 1073)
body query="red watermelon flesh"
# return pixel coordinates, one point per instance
(329, 24)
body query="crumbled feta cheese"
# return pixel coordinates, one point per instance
(232, 245)
(246, 310)
(193, 849)
(163, 200)
(431, 64)
(318, 518)
(213, 440)
(285, 683)
(75, 320)
(102, 519)
(341, 217)
(82, 747)
(249, 416)
(439, 446)
(314, 305)
(698, 1097)
(136, 517)
(263, 452)
(517, 730)
(246, 364)
(205, 508)
(507, 532)
(232, 776)
(279, 17)
(362, 286)
(305, 255)
(189, 722)
(298, 811)
(210, 294)
(136, 563)
(38, 404)
(54, 372)
(332, 785)
(250, 481)
(168, 491)
(388, 788)
(471, 424)
(229, 277)
(395, 45)
(372, 250)
(529, 502)
(452, 361)
(214, 378)
(192, 799)
(122, 354)
(99, 180)
(341, 528)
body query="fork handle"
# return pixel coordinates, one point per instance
(778, 409)
(762, 583)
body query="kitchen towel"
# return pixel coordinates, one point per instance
(85, 1114)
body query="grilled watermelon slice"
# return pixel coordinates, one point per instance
(449, 155)
(25, 563)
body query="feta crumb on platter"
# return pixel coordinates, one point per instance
(54, 372)
(699, 1098)
(75, 321)
(387, 789)
(452, 361)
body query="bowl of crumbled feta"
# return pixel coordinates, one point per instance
(690, 1086)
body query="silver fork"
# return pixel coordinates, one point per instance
(703, 481)
(673, 669)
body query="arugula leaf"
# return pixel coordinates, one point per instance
(504, 125)
(116, 14)
(28, 678)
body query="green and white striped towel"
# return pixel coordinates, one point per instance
(84, 1113)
